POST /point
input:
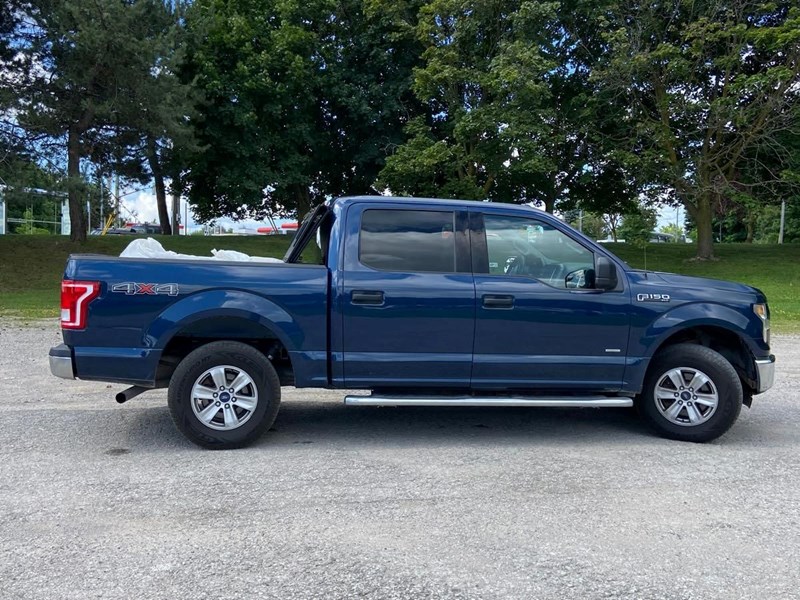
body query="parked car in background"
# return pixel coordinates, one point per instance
(130, 229)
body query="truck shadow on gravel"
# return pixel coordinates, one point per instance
(330, 423)
(451, 425)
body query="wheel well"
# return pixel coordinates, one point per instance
(203, 332)
(728, 344)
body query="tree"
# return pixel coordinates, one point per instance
(707, 83)
(583, 165)
(590, 224)
(612, 222)
(770, 174)
(768, 223)
(11, 148)
(486, 100)
(638, 225)
(511, 111)
(168, 114)
(673, 229)
(300, 101)
(82, 68)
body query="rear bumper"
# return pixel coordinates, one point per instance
(61, 364)
(131, 366)
(765, 370)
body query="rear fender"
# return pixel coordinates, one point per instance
(223, 303)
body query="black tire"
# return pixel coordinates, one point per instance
(723, 379)
(240, 356)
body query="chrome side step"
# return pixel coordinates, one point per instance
(540, 401)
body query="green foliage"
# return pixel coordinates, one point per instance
(708, 84)
(591, 224)
(28, 228)
(674, 230)
(252, 107)
(301, 100)
(483, 86)
(510, 112)
(768, 224)
(638, 225)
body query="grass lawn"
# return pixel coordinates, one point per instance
(31, 267)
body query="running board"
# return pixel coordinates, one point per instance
(539, 401)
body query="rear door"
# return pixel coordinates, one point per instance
(408, 297)
(540, 323)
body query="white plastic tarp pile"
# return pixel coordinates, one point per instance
(150, 248)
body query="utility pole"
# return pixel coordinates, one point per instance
(102, 220)
(116, 196)
(677, 223)
(580, 220)
(176, 211)
(783, 221)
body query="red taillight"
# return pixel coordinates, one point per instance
(75, 298)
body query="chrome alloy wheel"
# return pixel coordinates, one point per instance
(686, 396)
(224, 397)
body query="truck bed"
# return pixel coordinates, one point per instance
(144, 305)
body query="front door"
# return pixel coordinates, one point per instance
(408, 298)
(540, 323)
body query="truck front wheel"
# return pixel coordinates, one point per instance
(691, 393)
(224, 395)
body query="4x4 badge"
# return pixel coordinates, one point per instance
(130, 288)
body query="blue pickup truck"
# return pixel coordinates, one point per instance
(423, 302)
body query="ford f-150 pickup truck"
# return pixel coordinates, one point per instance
(423, 302)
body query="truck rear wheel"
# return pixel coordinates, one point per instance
(224, 395)
(691, 393)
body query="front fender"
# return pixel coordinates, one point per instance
(224, 303)
(697, 314)
(650, 336)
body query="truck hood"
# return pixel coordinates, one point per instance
(696, 284)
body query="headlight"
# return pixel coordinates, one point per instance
(763, 313)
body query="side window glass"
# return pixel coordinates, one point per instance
(408, 240)
(531, 248)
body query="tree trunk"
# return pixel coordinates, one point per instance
(161, 191)
(750, 224)
(549, 205)
(77, 217)
(705, 231)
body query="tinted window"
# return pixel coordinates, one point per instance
(408, 241)
(528, 247)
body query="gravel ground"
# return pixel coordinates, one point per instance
(105, 501)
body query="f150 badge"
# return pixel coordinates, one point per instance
(130, 288)
(652, 297)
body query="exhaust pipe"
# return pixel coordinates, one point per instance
(131, 392)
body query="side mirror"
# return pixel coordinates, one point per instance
(605, 274)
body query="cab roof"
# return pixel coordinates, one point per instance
(453, 203)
